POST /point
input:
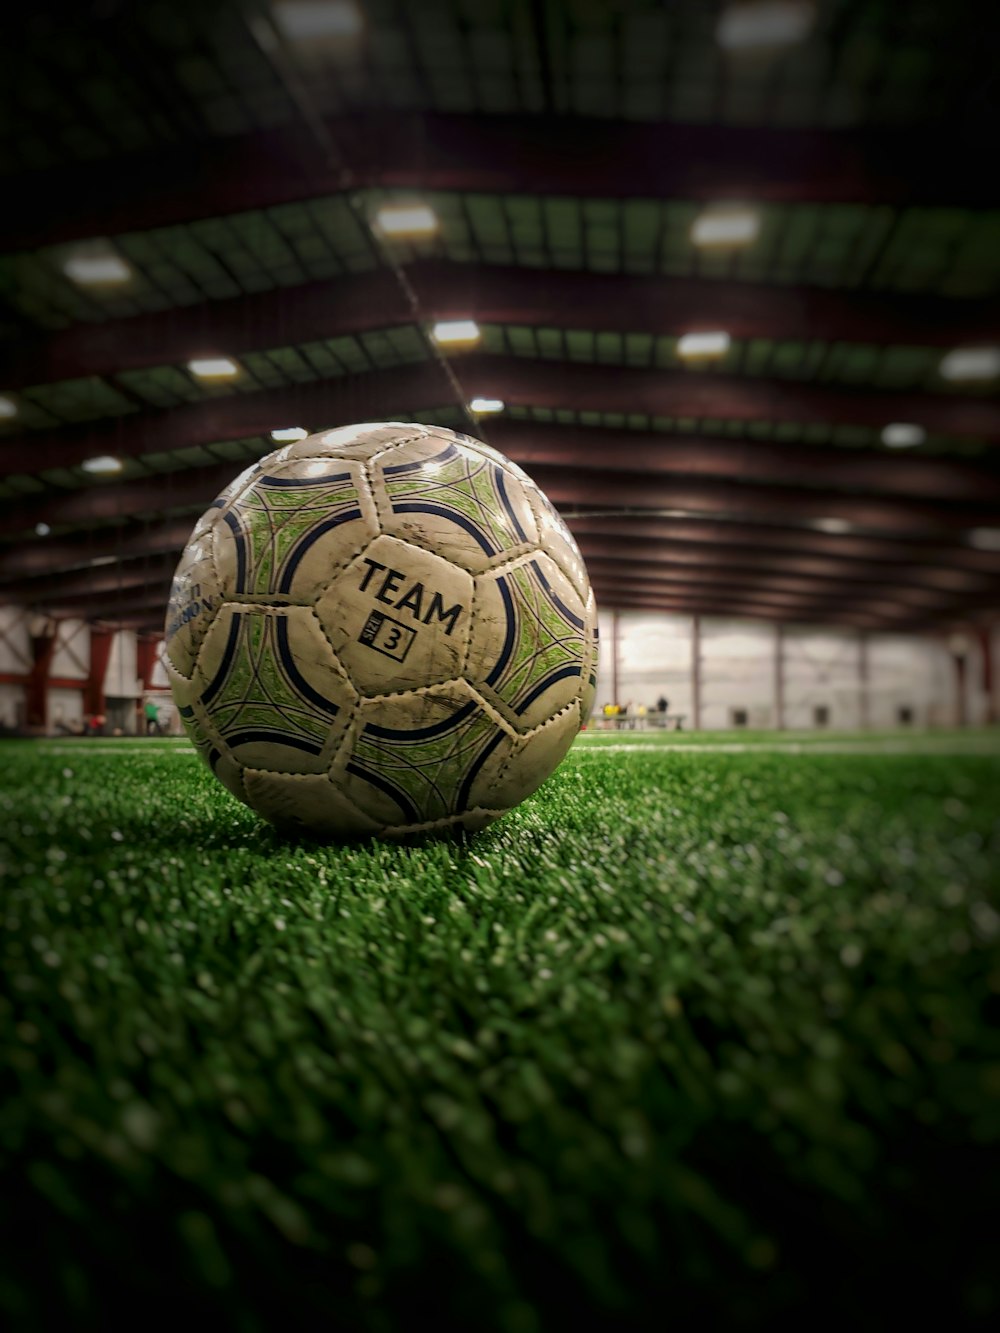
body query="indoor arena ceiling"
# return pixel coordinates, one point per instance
(188, 181)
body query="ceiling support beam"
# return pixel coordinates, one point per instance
(542, 155)
(496, 294)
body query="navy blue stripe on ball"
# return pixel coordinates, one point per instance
(219, 679)
(382, 784)
(543, 685)
(297, 482)
(241, 550)
(505, 501)
(555, 599)
(272, 738)
(470, 777)
(444, 511)
(508, 643)
(287, 659)
(400, 468)
(308, 541)
(421, 733)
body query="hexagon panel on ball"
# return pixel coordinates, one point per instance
(398, 617)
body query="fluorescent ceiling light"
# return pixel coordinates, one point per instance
(289, 433)
(42, 529)
(985, 539)
(834, 525)
(214, 368)
(103, 464)
(101, 560)
(693, 346)
(903, 435)
(763, 25)
(308, 20)
(97, 266)
(971, 363)
(453, 331)
(484, 405)
(725, 225)
(405, 220)
(8, 408)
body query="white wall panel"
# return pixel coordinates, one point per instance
(822, 670)
(12, 705)
(71, 658)
(65, 710)
(15, 644)
(737, 672)
(120, 680)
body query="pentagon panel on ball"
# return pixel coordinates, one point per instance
(380, 629)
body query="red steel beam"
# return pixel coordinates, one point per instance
(497, 294)
(867, 472)
(544, 384)
(27, 560)
(535, 154)
(942, 565)
(954, 567)
(567, 485)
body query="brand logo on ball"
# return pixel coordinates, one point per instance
(387, 636)
(412, 599)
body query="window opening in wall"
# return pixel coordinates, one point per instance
(739, 717)
(904, 715)
(821, 715)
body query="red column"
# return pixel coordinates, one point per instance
(100, 651)
(43, 647)
(985, 636)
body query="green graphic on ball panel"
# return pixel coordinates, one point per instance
(259, 695)
(544, 643)
(277, 521)
(461, 486)
(427, 771)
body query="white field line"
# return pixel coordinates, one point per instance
(795, 747)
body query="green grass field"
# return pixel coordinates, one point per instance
(703, 1032)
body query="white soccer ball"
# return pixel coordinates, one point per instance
(382, 629)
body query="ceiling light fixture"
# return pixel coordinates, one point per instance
(486, 405)
(102, 465)
(214, 368)
(406, 221)
(288, 433)
(764, 25)
(453, 332)
(8, 408)
(97, 265)
(702, 346)
(832, 525)
(971, 363)
(42, 529)
(903, 435)
(985, 539)
(725, 226)
(309, 20)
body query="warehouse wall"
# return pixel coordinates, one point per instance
(831, 678)
(15, 659)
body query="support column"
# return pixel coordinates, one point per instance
(100, 652)
(696, 672)
(779, 676)
(145, 660)
(615, 656)
(985, 636)
(43, 647)
(961, 662)
(864, 673)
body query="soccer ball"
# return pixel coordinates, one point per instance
(382, 629)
